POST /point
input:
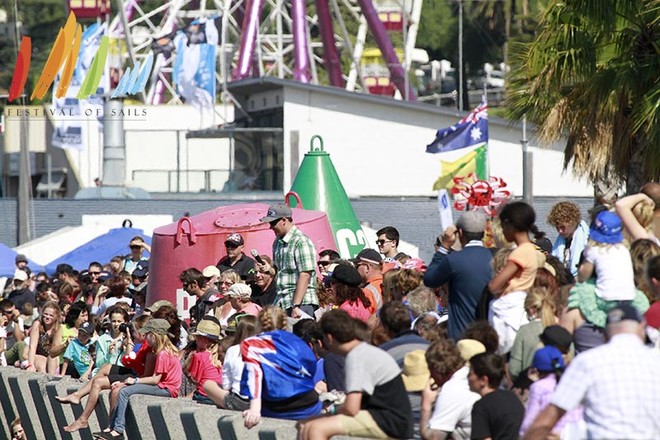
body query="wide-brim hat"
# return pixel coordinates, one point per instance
(606, 228)
(209, 327)
(415, 372)
(469, 348)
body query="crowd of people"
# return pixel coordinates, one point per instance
(525, 339)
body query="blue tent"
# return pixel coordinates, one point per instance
(101, 249)
(8, 262)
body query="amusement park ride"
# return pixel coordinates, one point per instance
(270, 38)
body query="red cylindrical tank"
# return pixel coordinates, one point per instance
(198, 241)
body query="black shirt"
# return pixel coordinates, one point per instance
(265, 298)
(245, 266)
(497, 415)
(20, 297)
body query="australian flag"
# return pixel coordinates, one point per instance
(471, 130)
(278, 365)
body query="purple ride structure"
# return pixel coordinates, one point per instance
(255, 38)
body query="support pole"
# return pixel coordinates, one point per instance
(527, 167)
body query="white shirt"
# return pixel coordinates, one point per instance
(619, 386)
(232, 369)
(615, 279)
(452, 411)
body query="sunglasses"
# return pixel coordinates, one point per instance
(382, 242)
(7, 312)
(323, 263)
(94, 273)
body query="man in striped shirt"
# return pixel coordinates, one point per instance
(294, 256)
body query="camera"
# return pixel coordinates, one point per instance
(123, 327)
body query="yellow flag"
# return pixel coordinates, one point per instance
(473, 162)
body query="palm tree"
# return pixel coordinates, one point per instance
(592, 74)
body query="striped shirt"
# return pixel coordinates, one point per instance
(292, 254)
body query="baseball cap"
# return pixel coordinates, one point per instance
(64, 268)
(20, 258)
(276, 212)
(240, 290)
(606, 228)
(20, 275)
(141, 269)
(472, 221)
(87, 328)
(548, 359)
(623, 312)
(346, 274)
(368, 256)
(235, 239)
(415, 264)
(211, 271)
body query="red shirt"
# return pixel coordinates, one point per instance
(169, 367)
(202, 369)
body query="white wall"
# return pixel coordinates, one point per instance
(379, 150)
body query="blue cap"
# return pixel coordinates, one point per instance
(606, 228)
(548, 359)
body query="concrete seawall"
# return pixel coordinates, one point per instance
(31, 396)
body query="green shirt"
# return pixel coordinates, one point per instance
(293, 254)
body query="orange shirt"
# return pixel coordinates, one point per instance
(377, 284)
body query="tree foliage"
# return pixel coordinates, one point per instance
(592, 74)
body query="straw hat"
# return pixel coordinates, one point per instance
(415, 373)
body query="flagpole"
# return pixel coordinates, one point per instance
(527, 166)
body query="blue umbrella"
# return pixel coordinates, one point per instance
(8, 262)
(101, 249)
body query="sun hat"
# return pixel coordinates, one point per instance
(209, 327)
(415, 372)
(156, 326)
(469, 348)
(346, 274)
(240, 290)
(158, 304)
(606, 228)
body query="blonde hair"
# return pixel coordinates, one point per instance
(272, 318)
(643, 212)
(217, 355)
(499, 260)
(231, 275)
(641, 251)
(498, 235)
(541, 300)
(163, 342)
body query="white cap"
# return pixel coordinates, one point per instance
(211, 271)
(20, 275)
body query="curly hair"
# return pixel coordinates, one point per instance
(499, 260)
(404, 282)
(498, 235)
(389, 282)
(564, 212)
(444, 358)
(643, 212)
(272, 318)
(422, 300)
(350, 294)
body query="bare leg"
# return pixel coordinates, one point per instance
(215, 393)
(40, 363)
(114, 395)
(82, 392)
(98, 384)
(52, 363)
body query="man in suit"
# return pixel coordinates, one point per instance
(467, 272)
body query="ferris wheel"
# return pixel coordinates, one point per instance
(279, 45)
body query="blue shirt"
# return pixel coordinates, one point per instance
(79, 354)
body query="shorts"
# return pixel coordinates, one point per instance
(361, 425)
(200, 398)
(13, 354)
(120, 374)
(235, 402)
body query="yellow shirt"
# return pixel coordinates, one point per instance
(524, 256)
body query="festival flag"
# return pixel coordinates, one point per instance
(471, 130)
(194, 66)
(473, 162)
